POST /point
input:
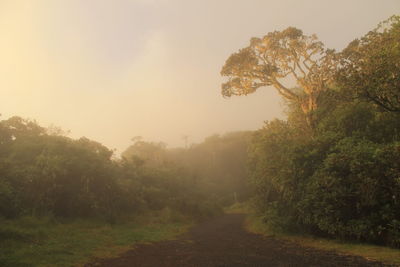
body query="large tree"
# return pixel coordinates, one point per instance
(278, 58)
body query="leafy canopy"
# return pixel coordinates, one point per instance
(279, 55)
(371, 66)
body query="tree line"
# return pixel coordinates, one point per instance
(331, 168)
(45, 173)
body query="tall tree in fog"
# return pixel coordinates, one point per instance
(279, 55)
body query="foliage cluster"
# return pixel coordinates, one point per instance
(338, 176)
(43, 173)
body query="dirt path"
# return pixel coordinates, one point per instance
(224, 242)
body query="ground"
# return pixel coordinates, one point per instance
(224, 242)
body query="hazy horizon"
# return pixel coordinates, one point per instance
(112, 70)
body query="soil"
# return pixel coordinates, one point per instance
(224, 242)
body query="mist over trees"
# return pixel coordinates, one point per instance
(333, 167)
(220, 165)
(44, 173)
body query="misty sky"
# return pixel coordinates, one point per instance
(114, 69)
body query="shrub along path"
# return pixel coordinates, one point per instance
(224, 242)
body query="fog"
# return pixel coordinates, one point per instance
(112, 70)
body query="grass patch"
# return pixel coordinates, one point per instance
(45, 242)
(387, 255)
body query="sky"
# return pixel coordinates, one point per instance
(112, 70)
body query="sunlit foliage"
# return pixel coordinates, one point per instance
(279, 55)
(341, 177)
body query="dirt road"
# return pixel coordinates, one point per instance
(224, 242)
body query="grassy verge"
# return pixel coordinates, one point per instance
(44, 242)
(384, 254)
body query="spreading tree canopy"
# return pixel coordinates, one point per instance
(277, 57)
